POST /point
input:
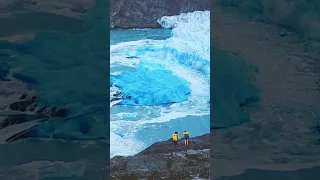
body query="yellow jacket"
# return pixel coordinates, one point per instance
(175, 137)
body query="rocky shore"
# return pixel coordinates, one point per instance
(144, 13)
(162, 160)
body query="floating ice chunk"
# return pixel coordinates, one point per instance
(151, 84)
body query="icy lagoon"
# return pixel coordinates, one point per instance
(166, 74)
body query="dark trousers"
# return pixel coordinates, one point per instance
(175, 143)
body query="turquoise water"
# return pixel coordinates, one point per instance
(120, 35)
(136, 126)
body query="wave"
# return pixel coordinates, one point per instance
(190, 34)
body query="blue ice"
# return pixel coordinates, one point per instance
(151, 84)
(187, 59)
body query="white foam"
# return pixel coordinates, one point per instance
(124, 144)
(191, 32)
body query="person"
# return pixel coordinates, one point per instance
(186, 138)
(175, 138)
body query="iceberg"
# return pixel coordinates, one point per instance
(151, 84)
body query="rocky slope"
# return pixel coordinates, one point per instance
(20, 90)
(164, 161)
(282, 136)
(302, 16)
(22, 19)
(31, 26)
(144, 13)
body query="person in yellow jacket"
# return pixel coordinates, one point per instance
(186, 138)
(175, 138)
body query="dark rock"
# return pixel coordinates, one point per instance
(178, 175)
(144, 13)
(43, 113)
(53, 111)
(23, 96)
(115, 99)
(154, 176)
(41, 110)
(33, 98)
(132, 57)
(169, 162)
(19, 118)
(130, 177)
(205, 173)
(21, 105)
(164, 161)
(32, 107)
(15, 119)
(119, 163)
(78, 9)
